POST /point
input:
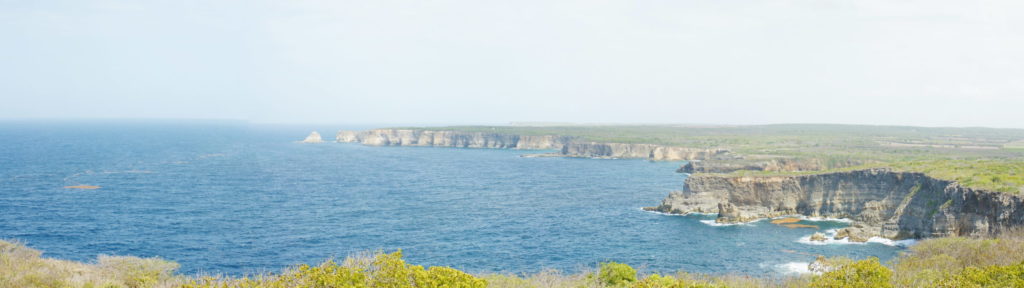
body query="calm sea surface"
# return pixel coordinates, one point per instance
(236, 198)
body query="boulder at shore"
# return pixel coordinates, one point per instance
(818, 236)
(313, 138)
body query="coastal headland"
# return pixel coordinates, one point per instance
(892, 182)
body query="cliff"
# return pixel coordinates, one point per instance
(644, 151)
(895, 205)
(567, 146)
(404, 137)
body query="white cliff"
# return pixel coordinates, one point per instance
(313, 138)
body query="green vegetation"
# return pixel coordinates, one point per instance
(982, 158)
(942, 262)
(989, 276)
(21, 266)
(995, 175)
(616, 274)
(380, 270)
(1014, 145)
(787, 139)
(861, 274)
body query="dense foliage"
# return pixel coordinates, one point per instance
(616, 274)
(861, 274)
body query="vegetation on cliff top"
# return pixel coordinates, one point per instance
(983, 158)
(987, 174)
(941, 262)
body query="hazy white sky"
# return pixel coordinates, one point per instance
(928, 62)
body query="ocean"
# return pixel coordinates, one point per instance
(236, 198)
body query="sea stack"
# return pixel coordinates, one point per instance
(313, 137)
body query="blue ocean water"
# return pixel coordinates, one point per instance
(236, 198)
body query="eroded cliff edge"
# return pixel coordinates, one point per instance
(881, 202)
(567, 146)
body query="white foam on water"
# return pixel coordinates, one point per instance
(831, 233)
(793, 268)
(674, 214)
(890, 242)
(815, 219)
(825, 219)
(716, 224)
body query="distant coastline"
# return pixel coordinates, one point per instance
(760, 185)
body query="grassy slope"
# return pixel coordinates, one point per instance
(942, 262)
(984, 158)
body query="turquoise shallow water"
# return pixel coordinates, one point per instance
(235, 198)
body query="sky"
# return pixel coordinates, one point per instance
(883, 62)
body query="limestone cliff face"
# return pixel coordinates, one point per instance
(567, 146)
(730, 165)
(404, 137)
(883, 203)
(643, 151)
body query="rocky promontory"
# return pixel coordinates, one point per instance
(313, 137)
(881, 202)
(566, 146)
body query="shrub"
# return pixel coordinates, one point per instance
(658, 281)
(933, 260)
(867, 273)
(328, 274)
(989, 276)
(448, 277)
(381, 270)
(616, 274)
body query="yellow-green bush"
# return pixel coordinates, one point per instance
(616, 274)
(382, 271)
(990, 276)
(658, 281)
(867, 273)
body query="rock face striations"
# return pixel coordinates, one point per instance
(894, 205)
(567, 146)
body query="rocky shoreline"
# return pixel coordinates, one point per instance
(881, 203)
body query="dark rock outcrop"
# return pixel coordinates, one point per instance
(881, 202)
